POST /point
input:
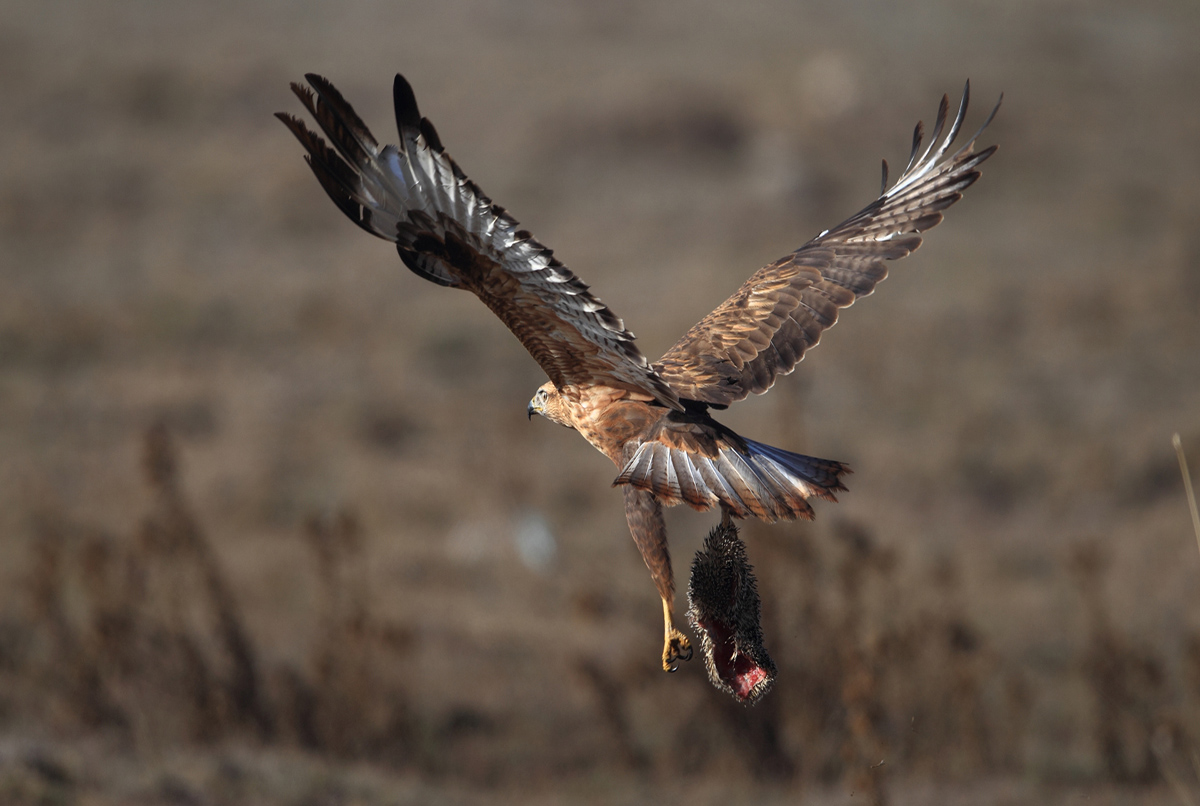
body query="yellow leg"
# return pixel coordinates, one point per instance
(676, 646)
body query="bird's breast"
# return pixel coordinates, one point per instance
(609, 419)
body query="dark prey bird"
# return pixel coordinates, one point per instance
(653, 420)
(723, 609)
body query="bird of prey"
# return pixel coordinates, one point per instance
(653, 420)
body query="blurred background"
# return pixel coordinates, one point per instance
(274, 527)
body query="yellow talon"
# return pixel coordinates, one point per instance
(676, 646)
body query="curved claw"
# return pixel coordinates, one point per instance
(676, 647)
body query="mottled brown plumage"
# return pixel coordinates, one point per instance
(652, 421)
(764, 329)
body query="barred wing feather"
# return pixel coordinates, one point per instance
(765, 328)
(449, 232)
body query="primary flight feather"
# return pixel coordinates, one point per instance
(651, 420)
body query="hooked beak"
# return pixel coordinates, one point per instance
(531, 410)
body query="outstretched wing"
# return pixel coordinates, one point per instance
(764, 329)
(449, 232)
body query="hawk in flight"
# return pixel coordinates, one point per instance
(653, 420)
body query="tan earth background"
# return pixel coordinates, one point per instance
(273, 525)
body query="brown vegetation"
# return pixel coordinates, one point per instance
(274, 527)
(139, 637)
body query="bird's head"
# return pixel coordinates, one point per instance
(549, 403)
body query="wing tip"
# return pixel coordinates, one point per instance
(408, 116)
(317, 81)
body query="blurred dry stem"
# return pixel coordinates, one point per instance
(1177, 770)
(1127, 680)
(1187, 486)
(143, 636)
(172, 537)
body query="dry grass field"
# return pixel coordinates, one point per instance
(274, 527)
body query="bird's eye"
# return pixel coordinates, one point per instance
(542, 395)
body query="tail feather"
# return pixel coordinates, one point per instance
(763, 481)
(823, 475)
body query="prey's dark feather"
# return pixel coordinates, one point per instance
(724, 610)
